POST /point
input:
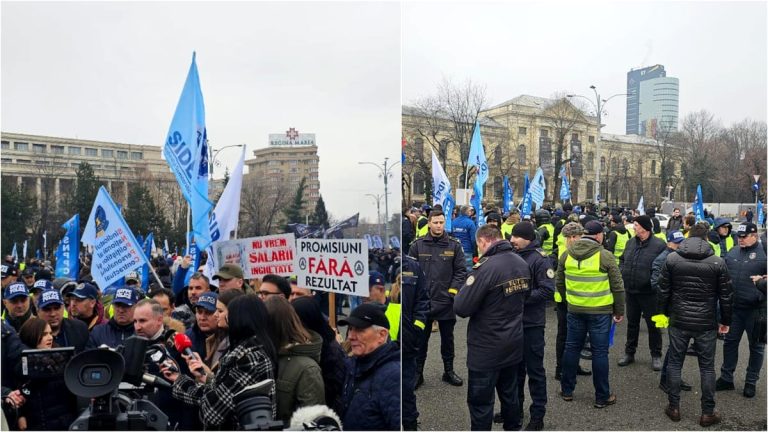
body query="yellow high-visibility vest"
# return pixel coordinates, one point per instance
(585, 284)
(621, 244)
(393, 316)
(550, 241)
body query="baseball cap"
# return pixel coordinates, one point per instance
(366, 315)
(593, 227)
(43, 274)
(675, 236)
(745, 229)
(85, 290)
(49, 297)
(375, 278)
(207, 301)
(133, 277)
(16, 289)
(28, 272)
(42, 284)
(126, 296)
(229, 271)
(9, 270)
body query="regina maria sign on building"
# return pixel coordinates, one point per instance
(292, 137)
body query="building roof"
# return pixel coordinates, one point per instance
(484, 121)
(628, 139)
(526, 100)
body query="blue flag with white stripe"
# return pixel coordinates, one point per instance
(67, 259)
(145, 268)
(526, 183)
(441, 190)
(526, 205)
(186, 151)
(698, 205)
(537, 188)
(509, 196)
(477, 159)
(760, 215)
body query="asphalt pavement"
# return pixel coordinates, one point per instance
(640, 404)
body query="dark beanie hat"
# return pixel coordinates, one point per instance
(645, 222)
(524, 230)
(592, 228)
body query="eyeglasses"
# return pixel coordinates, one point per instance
(268, 293)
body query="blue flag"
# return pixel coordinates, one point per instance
(526, 205)
(508, 196)
(377, 243)
(477, 159)
(115, 250)
(448, 206)
(565, 186)
(395, 242)
(67, 259)
(145, 268)
(194, 252)
(760, 215)
(537, 188)
(14, 253)
(441, 190)
(186, 150)
(369, 239)
(38, 254)
(698, 205)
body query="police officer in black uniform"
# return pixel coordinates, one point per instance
(415, 310)
(493, 297)
(542, 287)
(442, 259)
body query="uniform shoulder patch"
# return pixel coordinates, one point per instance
(480, 262)
(550, 273)
(541, 251)
(470, 280)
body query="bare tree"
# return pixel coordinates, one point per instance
(261, 202)
(562, 115)
(699, 141)
(742, 156)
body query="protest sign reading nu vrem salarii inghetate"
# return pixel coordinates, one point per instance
(258, 256)
(333, 265)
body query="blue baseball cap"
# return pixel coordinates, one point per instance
(42, 284)
(16, 289)
(86, 290)
(126, 296)
(675, 236)
(49, 297)
(375, 278)
(208, 301)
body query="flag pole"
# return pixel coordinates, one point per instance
(189, 224)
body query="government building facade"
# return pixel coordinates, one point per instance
(526, 132)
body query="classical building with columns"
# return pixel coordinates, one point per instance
(46, 166)
(521, 134)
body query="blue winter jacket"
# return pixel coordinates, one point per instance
(372, 390)
(109, 333)
(542, 285)
(464, 230)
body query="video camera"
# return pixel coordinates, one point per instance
(43, 364)
(254, 408)
(117, 385)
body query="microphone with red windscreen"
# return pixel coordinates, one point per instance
(184, 345)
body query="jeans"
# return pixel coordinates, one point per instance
(562, 332)
(533, 365)
(354, 301)
(410, 413)
(446, 343)
(645, 305)
(743, 320)
(599, 327)
(706, 343)
(481, 397)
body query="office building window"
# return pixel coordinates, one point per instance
(6, 145)
(122, 154)
(522, 130)
(91, 152)
(23, 161)
(544, 133)
(21, 146)
(521, 155)
(137, 155)
(57, 149)
(74, 150)
(107, 153)
(653, 167)
(574, 136)
(592, 139)
(39, 148)
(590, 161)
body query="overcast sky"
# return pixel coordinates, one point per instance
(114, 72)
(716, 49)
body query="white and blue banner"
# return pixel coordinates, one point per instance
(194, 252)
(67, 257)
(760, 215)
(377, 243)
(115, 250)
(525, 206)
(186, 151)
(441, 190)
(369, 239)
(24, 251)
(477, 159)
(225, 216)
(565, 185)
(394, 242)
(538, 188)
(148, 243)
(641, 206)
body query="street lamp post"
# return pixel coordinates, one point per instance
(212, 156)
(377, 197)
(756, 188)
(386, 171)
(599, 106)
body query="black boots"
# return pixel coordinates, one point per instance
(450, 376)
